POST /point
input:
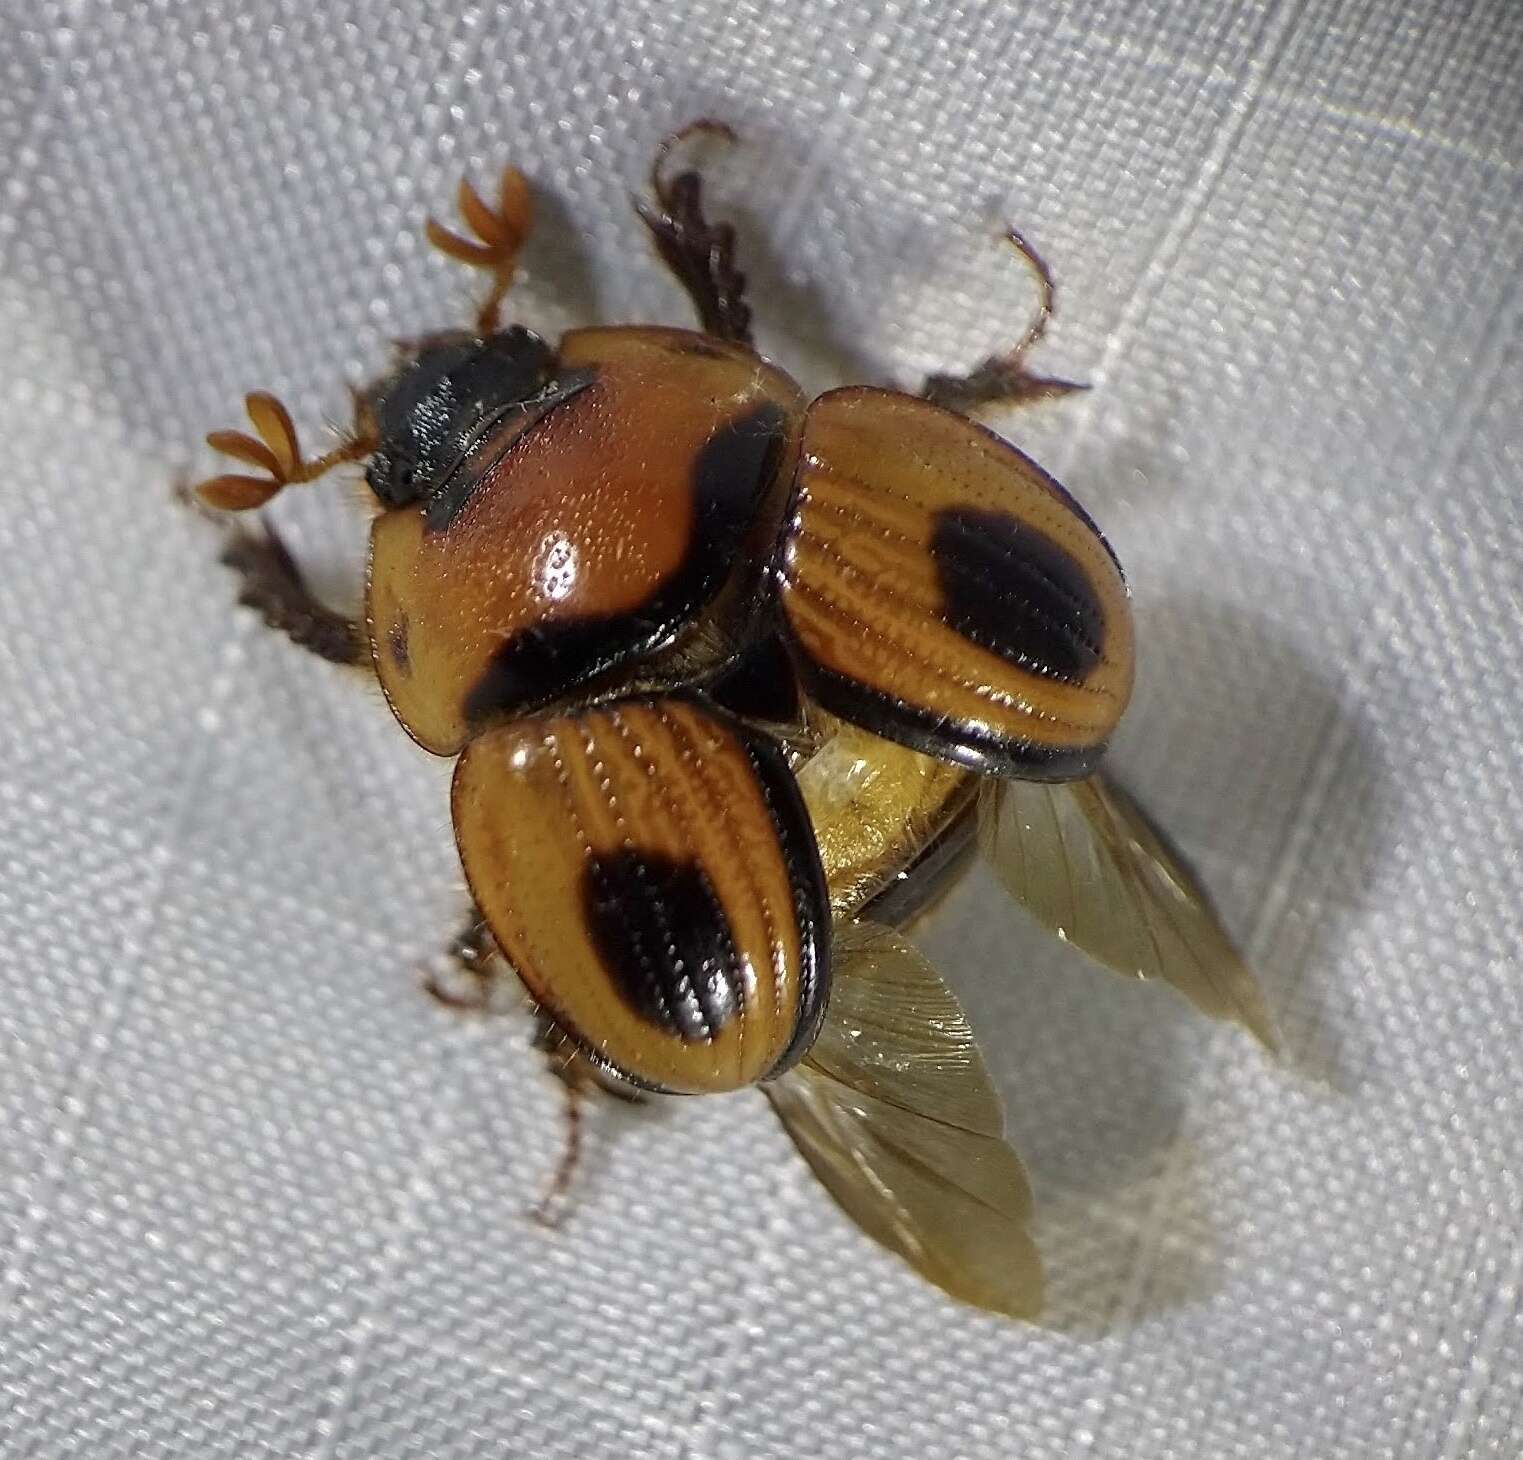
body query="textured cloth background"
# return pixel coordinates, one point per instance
(259, 1197)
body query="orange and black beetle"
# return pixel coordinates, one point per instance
(724, 669)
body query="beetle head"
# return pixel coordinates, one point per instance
(428, 411)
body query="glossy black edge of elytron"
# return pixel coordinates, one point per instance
(569, 653)
(911, 890)
(806, 877)
(957, 742)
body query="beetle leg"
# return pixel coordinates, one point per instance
(477, 957)
(501, 233)
(701, 254)
(579, 1078)
(272, 584)
(276, 451)
(474, 955)
(1005, 379)
(549, 1210)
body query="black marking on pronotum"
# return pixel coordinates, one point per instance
(730, 478)
(661, 933)
(1010, 589)
(532, 667)
(736, 464)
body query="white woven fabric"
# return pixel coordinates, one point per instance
(258, 1197)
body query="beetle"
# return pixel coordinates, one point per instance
(733, 679)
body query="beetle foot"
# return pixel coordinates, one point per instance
(1005, 379)
(701, 254)
(501, 233)
(275, 450)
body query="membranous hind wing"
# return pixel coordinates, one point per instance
(1087, 864)
(895, 1113)
(941, 590)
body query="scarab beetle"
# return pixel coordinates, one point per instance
(730, 675)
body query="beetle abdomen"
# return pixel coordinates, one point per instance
(648, 869)
(586, 539)
(944, 592)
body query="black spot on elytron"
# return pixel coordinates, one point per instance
(662, 935)
(730, 478)
(1010, 589)
(396, 644)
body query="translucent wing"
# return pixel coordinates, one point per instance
(1085, 861)
(893, 1110)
